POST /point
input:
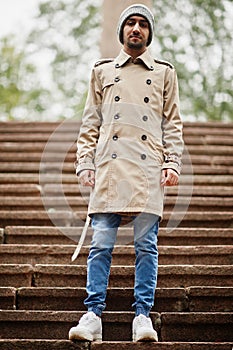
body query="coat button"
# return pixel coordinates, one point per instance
(144, 137)
(151, 68)
(143, 156)
(148, 81)
(117, 79)
(117, 98)
(117, 65)
(115, 137)
(114, 155)
(146, 99)
(116, 116)
(145, 118)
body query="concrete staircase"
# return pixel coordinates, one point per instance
(41, 217)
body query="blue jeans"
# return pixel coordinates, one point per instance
(105, 228)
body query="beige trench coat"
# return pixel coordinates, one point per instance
(131, 130)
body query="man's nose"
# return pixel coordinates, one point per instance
(136, 27)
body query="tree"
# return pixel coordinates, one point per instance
(197, 36)
(68, 31)
(20, 94)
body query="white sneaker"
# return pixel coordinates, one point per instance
(143, 329)
(89, 328)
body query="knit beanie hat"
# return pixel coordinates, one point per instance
(133, 10)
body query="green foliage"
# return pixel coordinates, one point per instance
(18, 94)
(196, 36)
(69, 31)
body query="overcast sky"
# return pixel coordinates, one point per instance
(16, 16)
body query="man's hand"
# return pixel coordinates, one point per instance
(87, 178)
(169, 177)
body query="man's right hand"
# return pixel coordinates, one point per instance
(87, 178)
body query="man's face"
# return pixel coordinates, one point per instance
(136, 32)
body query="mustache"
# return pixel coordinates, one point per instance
(135, 36)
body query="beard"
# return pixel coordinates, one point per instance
(136, 46)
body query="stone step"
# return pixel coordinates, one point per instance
(55, 156)
(42, 217)
(177, 326)
(170, 276)
(161, 346)
(55, 151)
(197, 326)
(55, 160)
(204, 130)
(24, 202)
(182, 190)
(8, 298)
(207, 140)
(16, 275)
(17, 179)
(118, 299)
(69, 235)
(38, 344)
(34, 178)
(29, 344)
(58, 137)
(194, 299)
(20, 190)
(193, 128)
(207, 168)
(75, 218)
(210, 149)
(193, 143)
(190, 140)
(2, 235)
(68, 217)
(123, 276)
(122, 255)
(197, 190)
(50, 192)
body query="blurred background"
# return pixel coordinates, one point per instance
(47, 50)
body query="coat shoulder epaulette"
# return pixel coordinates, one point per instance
(102, 61)
(165, 63)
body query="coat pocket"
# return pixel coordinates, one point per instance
(107, 84)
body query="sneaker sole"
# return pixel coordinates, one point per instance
(145, 337)
(84, 335)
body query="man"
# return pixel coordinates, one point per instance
(129, 148)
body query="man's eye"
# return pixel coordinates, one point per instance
(144, 24)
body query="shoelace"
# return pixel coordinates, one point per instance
(143, 321)
(87, 319)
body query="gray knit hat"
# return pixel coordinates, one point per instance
(136, 9)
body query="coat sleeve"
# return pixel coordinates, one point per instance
(89, 130)
(171, 123)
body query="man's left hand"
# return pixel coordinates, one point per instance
(169, 177)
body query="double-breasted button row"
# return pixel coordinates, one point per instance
(146, 99)
(143, 156)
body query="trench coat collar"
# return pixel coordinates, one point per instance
(145, 58)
